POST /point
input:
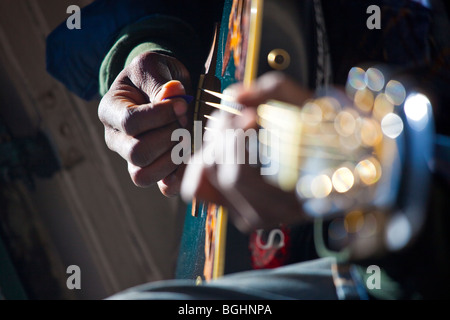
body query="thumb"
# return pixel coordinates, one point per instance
(170, 89)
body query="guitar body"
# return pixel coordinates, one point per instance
(244, 47)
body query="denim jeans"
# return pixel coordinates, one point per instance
(320, 279)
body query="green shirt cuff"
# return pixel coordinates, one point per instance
(157, 33)
(146, 47)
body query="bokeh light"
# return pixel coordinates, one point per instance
(416, 110)
(304, 186)
(395, 92)
(370, 132)
(343, 179)
(356, 78)
(416, 106)
(354, 221)
(364, 100)
(392, 125)
(374, 79)
(368, 171)
(345, 123)
(321, 186)
(399, 232)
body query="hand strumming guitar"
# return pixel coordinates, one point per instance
(139, 121)
(253, 203)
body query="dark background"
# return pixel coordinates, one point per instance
(65, 199)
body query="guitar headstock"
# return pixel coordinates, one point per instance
(356, 161)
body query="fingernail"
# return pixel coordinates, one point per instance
(183, 121)
(179, 108)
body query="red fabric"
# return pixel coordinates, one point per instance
(272, 256)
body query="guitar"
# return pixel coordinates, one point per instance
(239, 55)
(202, 251)
(346, 164)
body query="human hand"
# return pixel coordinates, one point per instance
(253, 203)
(139, 118)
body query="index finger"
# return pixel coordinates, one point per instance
(121, 113)
(272, 86)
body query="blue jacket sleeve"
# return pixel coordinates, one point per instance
(74, 56)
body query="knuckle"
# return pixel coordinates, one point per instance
(139, 176)
(139, 153)
(102, 107)
(127, 123)
(168, 191)
(146, 60)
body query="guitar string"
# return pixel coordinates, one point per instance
(306, 146)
